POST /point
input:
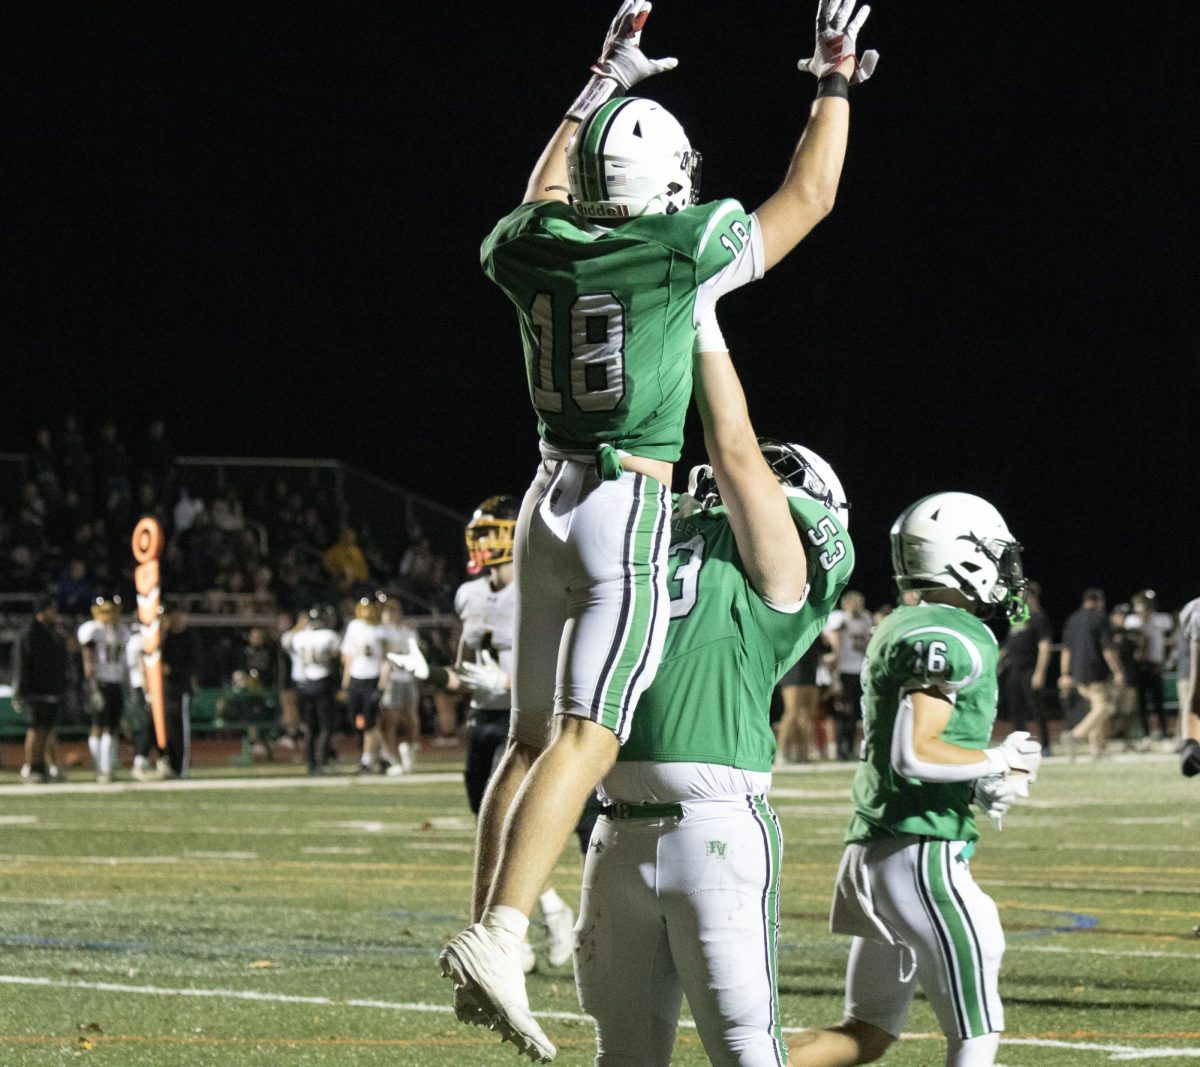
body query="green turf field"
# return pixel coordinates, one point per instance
(256, 921)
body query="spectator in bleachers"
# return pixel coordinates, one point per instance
(1090, 667)
(21, 575)
(416, 564)
(75, 589)
(344, 559)
(227, 513)
(111, 467)
(158, 459)
(40, 687)
(43, 464)
(187, 510)
(74, 466)
(31, 518)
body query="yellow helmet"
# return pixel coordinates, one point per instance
(370, 608)
(489, 534)
(106, 609)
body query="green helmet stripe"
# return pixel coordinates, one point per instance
(591, 156)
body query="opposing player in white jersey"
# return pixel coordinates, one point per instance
(681, 887)
(904, 891)
(102, 640)
(610, 261)
(399, 708)
(364, 646)
(318, 647)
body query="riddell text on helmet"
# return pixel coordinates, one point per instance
(612, 210)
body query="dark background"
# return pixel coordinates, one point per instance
(264, 226)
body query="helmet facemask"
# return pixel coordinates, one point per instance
(794, 466)
(106, 610)
(490, 533)
(931, 551)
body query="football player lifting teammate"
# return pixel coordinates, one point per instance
(904, 890)
(611, 262)
(681, 889)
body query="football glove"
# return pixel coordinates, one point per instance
(1018, 752)
(485, 677)
(837, 40)
(996, 795)
(622, 63)
(412, 661)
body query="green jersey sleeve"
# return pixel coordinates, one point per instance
(791, 628)
(934, 657)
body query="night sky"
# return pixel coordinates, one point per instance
(264, 225)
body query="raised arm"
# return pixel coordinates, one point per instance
(810, 187)
(621, 65)
(766, 536)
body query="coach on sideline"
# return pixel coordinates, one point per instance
(41, 683)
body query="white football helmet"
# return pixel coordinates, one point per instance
(630, 157)
(959, 541)
(801, 472)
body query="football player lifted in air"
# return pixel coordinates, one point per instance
(102, 640)
(611, 261)
(483, 666)
(681, 887)
(904, 890)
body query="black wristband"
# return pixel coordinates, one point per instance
(439, 677)
(834, 84)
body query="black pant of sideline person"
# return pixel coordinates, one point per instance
(316, 702)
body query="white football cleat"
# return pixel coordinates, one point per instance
(560, 925)
(494, 980)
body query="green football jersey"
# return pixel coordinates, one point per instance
(920, 647)
(607, 316)
(726, 648)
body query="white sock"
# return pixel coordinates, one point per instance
(388, 756)
(550, 901)
(140, 763)
(105, 762)
(94, 749)
(507, 925)
(366, 760)
(972, 1051)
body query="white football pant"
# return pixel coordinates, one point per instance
(591, 597)
(689, 906)
(947, 937)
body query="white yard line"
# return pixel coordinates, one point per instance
(1118, 1052)
(186, 785)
